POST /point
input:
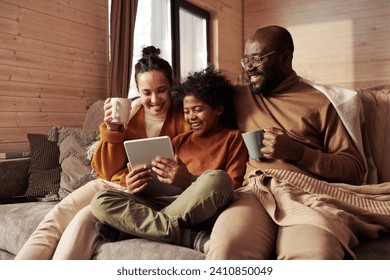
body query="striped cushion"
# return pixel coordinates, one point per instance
(76, 168)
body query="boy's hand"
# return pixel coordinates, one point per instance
(137, 179)
(172, 172)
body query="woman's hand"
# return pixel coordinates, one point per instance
(172, 172)
(108, 116)
(137, 179)
(278, 145)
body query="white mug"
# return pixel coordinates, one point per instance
(121, 108)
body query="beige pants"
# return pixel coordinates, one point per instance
(68, 230)
(246, 231)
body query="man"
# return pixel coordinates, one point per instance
(305, 136)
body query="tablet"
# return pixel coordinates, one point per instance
(144, 151)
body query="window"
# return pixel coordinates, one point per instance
(152, 27)
(189, 22)
(172, 25)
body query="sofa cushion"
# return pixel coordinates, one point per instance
(374, 249)
(142, 249)
(13, 177)
(76, 168)
(44, 170)
(376, 105)
(18, 221)
(94, 116)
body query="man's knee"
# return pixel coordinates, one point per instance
(307, 242)
(243, 231)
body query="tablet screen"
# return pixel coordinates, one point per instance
(144, 151)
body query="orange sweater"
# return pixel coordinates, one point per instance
(224, 149)
(110, 160)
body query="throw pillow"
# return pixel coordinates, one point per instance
(44, 170)
(76, 168)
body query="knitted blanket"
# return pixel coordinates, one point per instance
(346, 211)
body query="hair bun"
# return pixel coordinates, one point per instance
(150, 51)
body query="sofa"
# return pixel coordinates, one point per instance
(17, 177)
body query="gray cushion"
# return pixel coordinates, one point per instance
(18, 221)
(142, 249)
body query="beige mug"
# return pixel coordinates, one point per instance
(121, 108)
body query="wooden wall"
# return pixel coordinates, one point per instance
(226, 33)
(345, 43)
(53, 65)
(53, 54)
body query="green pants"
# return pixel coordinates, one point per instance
(165, 218)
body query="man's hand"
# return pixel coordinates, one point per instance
(278, 145)
(172, 172)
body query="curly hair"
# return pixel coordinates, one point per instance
(213, 88)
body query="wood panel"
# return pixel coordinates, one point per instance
(33, 119)
(23, 74)
(41, 32)
(345, 43)
(73, 53)
(13, 104)
(53, 53)
(230, 34)
(226, 20)
(30, 60)
(22, 89)
(84, 12)
(53, 65)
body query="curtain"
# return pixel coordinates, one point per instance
(123, 13)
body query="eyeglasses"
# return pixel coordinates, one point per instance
(255, 60)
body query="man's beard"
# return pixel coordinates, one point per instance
(264, 85)
(261, 86)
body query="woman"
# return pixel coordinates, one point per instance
(68, 230)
